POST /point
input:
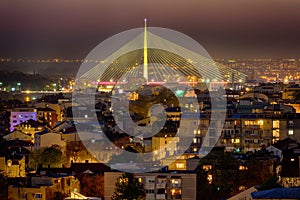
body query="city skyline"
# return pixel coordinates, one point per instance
(130, 99)
(231, 29)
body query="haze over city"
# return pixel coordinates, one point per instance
(227, 29)
(148, 115)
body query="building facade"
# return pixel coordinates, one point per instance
(158, 185)
(21, 115)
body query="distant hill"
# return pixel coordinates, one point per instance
(28, 81)
(62, 69)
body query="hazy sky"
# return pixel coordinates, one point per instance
(225, 28)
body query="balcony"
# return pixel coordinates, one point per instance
(176, 193)
(175, 182)
(161, 183)
(252, 126)
(160, 196)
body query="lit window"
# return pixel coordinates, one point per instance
(195, 140)
(276, 133)
(276, 124)
(207, 167)
(235, 141)
(9, 163)
(242, 168)
(291, 132)
(210, 178)
(260, 122)
(180, 165)
(176, 182)
(247, 123)
(123, 180)
(242, 188)
(176, 193)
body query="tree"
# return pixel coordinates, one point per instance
(271, 183)
(2, 145)
(52, 156)
(76, 151)
(35, 158)
(202, 184)
(297, 96)
(258, 172)
(3, 186)
(222, 166)
(92, 185)
(128, 187)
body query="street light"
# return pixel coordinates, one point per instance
(54, 87)
(19, 86)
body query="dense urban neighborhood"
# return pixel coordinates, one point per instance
(257, 155)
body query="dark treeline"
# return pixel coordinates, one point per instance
(28, 81)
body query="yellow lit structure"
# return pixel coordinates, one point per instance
(145, 52)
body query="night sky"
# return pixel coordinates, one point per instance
(225, 28)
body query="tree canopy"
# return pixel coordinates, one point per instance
(92, 185)
(50, 156)
(128, 187)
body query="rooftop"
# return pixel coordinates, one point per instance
(45, 109)
(32, 123)
(278, 193)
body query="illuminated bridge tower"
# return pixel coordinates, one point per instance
(145, 71)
